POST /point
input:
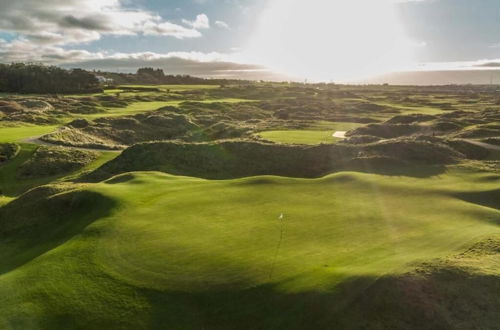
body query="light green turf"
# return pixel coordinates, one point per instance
(185, 253)
(299, 136)
(4, 200)
(19, 133)
(406, 109)
(319, 132)
(132, 109)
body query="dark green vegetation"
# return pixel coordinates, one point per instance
(151, 76)
(49, 161)
(236, 159)
(32, 78)
(203, 222)
(8, 151)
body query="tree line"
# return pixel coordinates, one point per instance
(152, 76)
(35, 78)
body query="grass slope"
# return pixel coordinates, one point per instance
(159, 251)
(12, 183)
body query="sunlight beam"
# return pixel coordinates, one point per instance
(340, 40)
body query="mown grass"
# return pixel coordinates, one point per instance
(407, 109)
(270, 252)
(19, 133)
(319, 132)
(299, 136)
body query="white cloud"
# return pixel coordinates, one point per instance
(57, 22)
(222, 25)
(201, 22)
(167, 28)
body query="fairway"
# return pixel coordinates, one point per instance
(13, 134)
(154, 243)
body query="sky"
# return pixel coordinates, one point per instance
(318, 40)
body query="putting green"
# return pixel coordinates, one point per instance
(173, 252)
(299, 136)
(319, 132)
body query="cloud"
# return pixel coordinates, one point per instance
(169, 29)
(66, 22)
(201, 22)
(488, 65)
(222, 25)
(213, 65)
(193, 63)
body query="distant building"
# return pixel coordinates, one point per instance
(104, 80)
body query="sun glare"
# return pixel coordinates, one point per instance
(339, 40)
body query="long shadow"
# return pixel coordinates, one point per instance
(422, 172)
(489, 198)
(442, 294)
(237, 159)
(444, 299)
(43, 219)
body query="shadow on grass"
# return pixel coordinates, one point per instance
(43, 219)
(489, 198)
(238, 159)
(447, 298)
(393, 167)
(448, 293)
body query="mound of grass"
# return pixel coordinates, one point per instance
(494, 141)
(116, 132)
(50, 161)
(8, 107)
(157, 251)
(410, 119)
(73, 137)
(8, 151)
(229, 159)
(386, 131)
(236, 159)
(361, 139)
(35, 105)
(458, 292)
(471, 151)
(415, 151)
(478, 133)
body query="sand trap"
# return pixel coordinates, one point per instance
(339, 134)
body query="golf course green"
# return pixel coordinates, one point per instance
(156, 250)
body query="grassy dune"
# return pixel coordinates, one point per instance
(163, 251)
(12, 183)
(142, 107)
